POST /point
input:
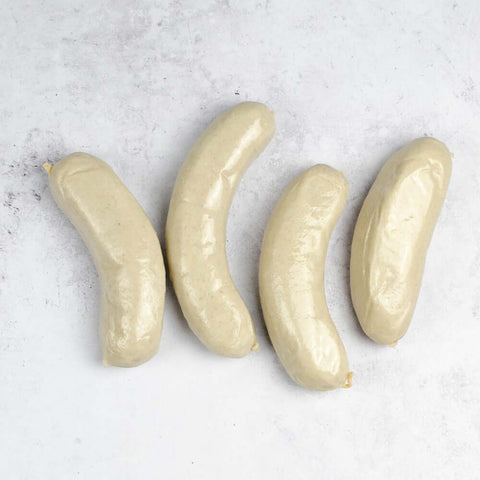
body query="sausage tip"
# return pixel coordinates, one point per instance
(348, 381)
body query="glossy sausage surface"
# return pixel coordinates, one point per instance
(126, 252)
(392, 235)
(196, 223)
(291, 279)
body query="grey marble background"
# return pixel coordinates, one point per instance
(135, 82)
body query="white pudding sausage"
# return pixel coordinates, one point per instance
(392, 235)
(196, 223)
(291, 279)
(126, 252)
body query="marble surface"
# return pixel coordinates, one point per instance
(135, 82)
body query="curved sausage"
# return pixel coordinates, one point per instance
(196, 223)
(126, 252)
(291, 279)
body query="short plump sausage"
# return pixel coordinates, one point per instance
(392, 235)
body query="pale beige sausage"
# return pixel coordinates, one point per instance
(196, 223)
(291, 279)
(126, 252)
(392, 235)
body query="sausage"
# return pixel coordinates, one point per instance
(196, 223)
(291, 279)
(392, 235)
(126, 252)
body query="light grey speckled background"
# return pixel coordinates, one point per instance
(135, 82)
